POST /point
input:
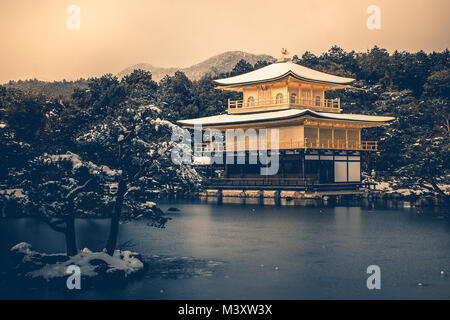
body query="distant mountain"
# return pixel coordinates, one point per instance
(223, 62)
(54, 89)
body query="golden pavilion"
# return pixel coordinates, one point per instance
(319, 145)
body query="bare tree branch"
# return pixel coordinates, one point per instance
(73, 193)
(55, 225)
(436, 188)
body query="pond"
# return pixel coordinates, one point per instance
(252, 251)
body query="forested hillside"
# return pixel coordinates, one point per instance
(124, 125)
(57, 89)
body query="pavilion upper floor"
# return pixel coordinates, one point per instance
(283, 85)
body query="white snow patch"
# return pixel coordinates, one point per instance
(78, 163)
(391, 187)
(125, 261)
(154, 108)
(158, 122)
(202, 160)
(12, 194)
(148, 204)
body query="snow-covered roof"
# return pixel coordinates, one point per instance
(226, 119)
(281, 70)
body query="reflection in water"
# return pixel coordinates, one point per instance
(180, 267)
(227, 200)
(252, 201)
(269, 201)
(348, 218)
(245, 250)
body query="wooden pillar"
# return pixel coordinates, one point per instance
(323, 97)
(211, 140)
(211, 150)
(277, 198)
(346, 138)
(318, 166)
(287, 94)
(318, 137)
(334, 166)
(220, 197)
(300, 95)
(266, 176)
(332, 137)
(303, 166)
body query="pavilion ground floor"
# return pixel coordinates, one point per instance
(297, 169)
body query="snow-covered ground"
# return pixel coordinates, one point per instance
(392, 187)
(49, 267)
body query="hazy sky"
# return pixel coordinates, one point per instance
(36, 42)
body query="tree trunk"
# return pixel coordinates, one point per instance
(69, 219)
(437, 189)
(71, 241)
(114, 228)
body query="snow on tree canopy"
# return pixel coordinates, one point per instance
(158, 122)
(78, 163)
(13, 194)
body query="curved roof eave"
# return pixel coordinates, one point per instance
(287, 74)
(221, 120)
(281, 70)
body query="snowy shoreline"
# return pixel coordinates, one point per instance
(96, 268)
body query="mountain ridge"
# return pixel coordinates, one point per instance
(223, 62)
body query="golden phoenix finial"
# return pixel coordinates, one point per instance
(284, 52)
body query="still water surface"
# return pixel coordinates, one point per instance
(233, 251)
